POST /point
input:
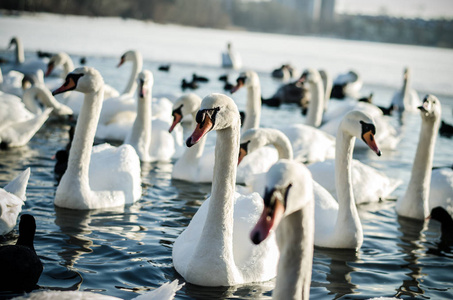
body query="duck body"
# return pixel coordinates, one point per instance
(21, 266)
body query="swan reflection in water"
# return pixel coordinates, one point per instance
(337, 273)
(410, 244)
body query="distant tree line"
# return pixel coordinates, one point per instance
(265, 16)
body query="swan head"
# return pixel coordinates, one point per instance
(310, 75)
(288, 189)
(246, 79)
(430, 109)
(217, 112)
(254, 139)
(145, 82)
(85, 79)
(185, 105)
(14, 41)
(130, 55)
(360, 125)
(56, 60)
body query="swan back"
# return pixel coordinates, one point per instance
(256, 138)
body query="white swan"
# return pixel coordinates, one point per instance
(214, 249)
(166, 291)
(328, 121)
(72, 100)
(11, 82)
(407, 98)
(416, 202)
(261, 161)
(117, 180)
(12, 197)
(21, 65)
(18, 124)
(44, 95)
(347, 85)
(196, 164)
(332, 218)
(149, 137)
(231, 58)
(289, 209)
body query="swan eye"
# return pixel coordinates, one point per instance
(241, 80)
(244, 146)
(368, 127)
(201, 115)
(178, 111)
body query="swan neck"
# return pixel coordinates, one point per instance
(141, 129)
(348, 216)
(29, 100)
(20, 57)
(416, 198)
(284, 147)
(295, 238)
(218, 229)
(253, 109)
(137, 64)
(316, 105)
(82, 144)
(68, 66)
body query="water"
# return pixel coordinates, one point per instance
(125, 251)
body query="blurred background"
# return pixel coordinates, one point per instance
(418, 22)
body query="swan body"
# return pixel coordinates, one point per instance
(12, 197)
(162, 147)
(441, 189)
(369, 184)
(166, 291)
(415, 202)
(120, 183)
(45, 96)
(231, 58)
(347, 85)
(407, 98)
(214, 249)
(18, 124)
(289, 208)
(11, 82)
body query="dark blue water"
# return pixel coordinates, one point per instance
(125, 251)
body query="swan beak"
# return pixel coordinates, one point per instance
(235, 88)
(69, 85)
(242, 154)
(268, 220)
(368, 137)
(200, 131)
(122, 60)
(176, 119)
(49, 70)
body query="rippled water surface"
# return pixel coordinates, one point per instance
(125, 251)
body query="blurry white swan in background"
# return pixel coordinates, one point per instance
(45, 97)
(329, 121)
(72, 100)
(12, 197)
(11, 82)
(21, 65)
(149, 136)
(166, 291)
(423, 193)
(196, 164)
(231, 58)
(289, 210)
(214, 249)
(17, 124)
(407, 98)
(96, 177)
(347, 85)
